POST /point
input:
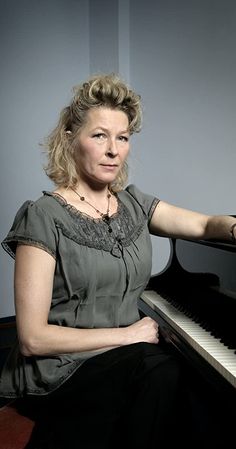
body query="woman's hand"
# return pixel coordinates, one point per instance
(145, 330)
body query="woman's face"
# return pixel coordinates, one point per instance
(102, 145)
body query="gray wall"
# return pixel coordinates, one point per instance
(180, 55)
(183, 62)
(44, 52)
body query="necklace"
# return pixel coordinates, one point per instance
(105, 216)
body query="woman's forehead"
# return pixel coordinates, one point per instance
(106, 117)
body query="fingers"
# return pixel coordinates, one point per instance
(153, 329)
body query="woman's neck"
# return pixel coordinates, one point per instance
(92, 192)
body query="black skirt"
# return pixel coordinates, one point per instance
(134, 396)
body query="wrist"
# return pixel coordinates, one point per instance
(233, 233)
(125, 336)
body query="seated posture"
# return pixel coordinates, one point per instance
(87, 367)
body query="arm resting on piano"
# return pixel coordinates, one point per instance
(175, 222)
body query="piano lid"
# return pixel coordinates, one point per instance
(209, 257)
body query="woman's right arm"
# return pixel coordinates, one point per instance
(34, 275)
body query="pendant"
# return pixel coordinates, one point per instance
(106, 218)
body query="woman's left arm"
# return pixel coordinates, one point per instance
(171, 221)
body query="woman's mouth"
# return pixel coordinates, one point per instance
(109, 166)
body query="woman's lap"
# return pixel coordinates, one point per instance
(125, 393)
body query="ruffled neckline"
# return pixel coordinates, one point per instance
(74, 211)
(95, 232)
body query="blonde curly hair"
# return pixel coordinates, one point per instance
(99, 90)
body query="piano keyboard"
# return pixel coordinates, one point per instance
(211, 349)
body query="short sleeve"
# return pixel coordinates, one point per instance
(146, 201)
(33, 226)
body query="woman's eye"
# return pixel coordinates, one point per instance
(99, 136)
(124, 138)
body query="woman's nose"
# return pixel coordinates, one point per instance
(112, 148)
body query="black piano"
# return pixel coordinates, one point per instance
(194, 301)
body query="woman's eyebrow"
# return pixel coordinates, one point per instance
(103, 128)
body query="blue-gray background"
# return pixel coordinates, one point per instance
(178, 54)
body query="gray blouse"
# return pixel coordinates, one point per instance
(101, 271)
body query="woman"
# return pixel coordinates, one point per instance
(82, 259)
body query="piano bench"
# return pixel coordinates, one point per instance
(15, 429)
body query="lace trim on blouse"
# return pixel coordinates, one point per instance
(18, 240)
(95, 232)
